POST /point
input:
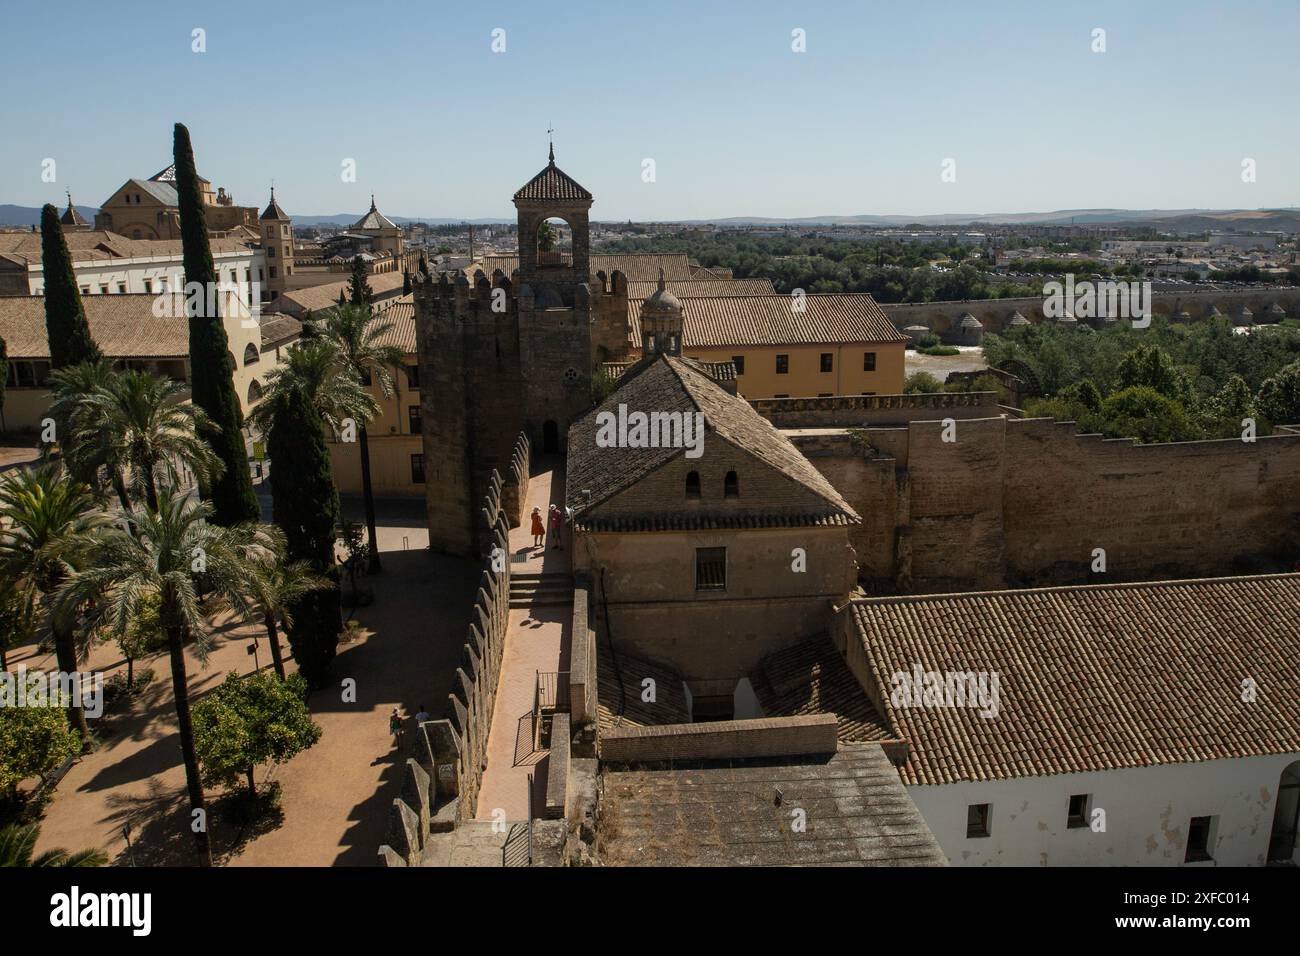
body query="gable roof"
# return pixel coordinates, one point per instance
(163, 192)
(669, 384)
(724, 320)
(385, 285)
(24, 248)
(1093, 678)
(552, 184)
(123, 326)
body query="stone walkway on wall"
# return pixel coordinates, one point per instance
(537, 640)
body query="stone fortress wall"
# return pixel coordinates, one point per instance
(441, 785)
(944, 318)
(1020, 502)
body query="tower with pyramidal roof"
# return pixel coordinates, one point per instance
(502, 354)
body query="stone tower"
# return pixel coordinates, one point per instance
(277, 242)
(72, 220)
(505, 354)
(661, 322)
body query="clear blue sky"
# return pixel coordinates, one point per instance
(737, 123)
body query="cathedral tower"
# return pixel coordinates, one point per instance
(277, 242)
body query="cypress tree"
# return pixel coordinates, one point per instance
(307, 509)
(424, 264)
(359, 291)
(211, 371)
(65, 317)
(4, 365)
(406, 282)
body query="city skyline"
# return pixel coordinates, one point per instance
(863, 122)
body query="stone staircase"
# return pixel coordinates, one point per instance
(540, 590)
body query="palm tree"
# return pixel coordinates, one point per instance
(18, 843)
(49, 519)
(280, 585)
(71, 388)
(143, 422)
(316, 367)
(360, 337)
(176, 543)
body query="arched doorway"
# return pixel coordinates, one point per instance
(1282, 843)
(550, 438)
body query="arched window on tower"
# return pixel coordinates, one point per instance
(731, 486)
(254, 392)
(693, 484)
(250, 355)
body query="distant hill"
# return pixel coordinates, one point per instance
(1179, 220)
(11, 215)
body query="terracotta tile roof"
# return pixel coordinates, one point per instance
(724, 813)
(552, 184)
(1096, 677)
(99, 245)
(279, 330)
(401, 316)
(691, 288)
(124, 326)
(811, 678)
(832, 319)
(634, 266)
(273, 210)
(667, 384)
(626, 708)
(316, 297)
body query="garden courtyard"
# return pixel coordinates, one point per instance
(334, 795)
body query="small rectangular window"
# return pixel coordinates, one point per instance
(710, 569)
(1078, 814)
(977, 820)
(1198, 840)
(271, 252)
(739, 362)
(413, 376)
(417, 469)
(828, 361)
(868, 361)
(413, 418)
(272, 272)
(783, 365)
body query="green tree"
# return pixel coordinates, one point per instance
(1151, 366)
(1083, 393)
(281, 585)
(4, 364)
(142, 423)
(33, 741)
(72, 387)
(312, 387)
(49, 520)
(18, 846)
(18, 617)
(406, 282)
(545, 237)
(359, 291)
(248, 721)
(65, 317)
(1279, 396)
(175, 548)
(361, 339)
(211, 370)
(921, 382)
(1143, 413)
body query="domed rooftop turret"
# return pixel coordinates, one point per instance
(661, 301)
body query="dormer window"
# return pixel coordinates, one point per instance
(693, 484)
(731, 486)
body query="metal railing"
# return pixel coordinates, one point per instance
(550, 696)
(530, 819)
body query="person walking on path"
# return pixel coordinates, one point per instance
(539, 529)
(557, 527)
(395, 726)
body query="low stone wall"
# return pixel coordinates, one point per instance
(456, 748)
(728, 739)
(582, 657)
(855, 411)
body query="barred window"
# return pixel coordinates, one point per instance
(710, 569)
(417, 469)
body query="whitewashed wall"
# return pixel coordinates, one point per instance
(1148, 811)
